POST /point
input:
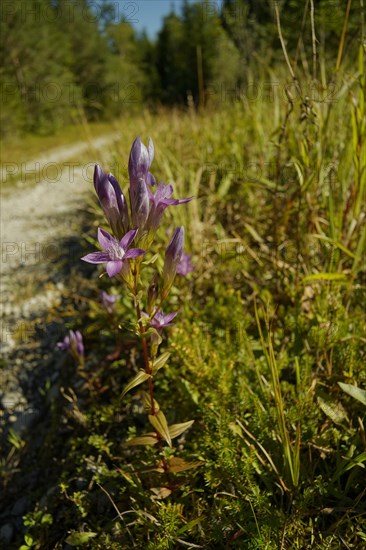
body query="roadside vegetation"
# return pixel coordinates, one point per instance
(267, 353)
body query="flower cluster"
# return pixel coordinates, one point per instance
(138, 225)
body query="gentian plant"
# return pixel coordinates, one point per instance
(74, 344)
(125, 253)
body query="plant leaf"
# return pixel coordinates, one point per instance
(79, 538)
(140, 377)
(160, 361)
(177, 464)
(147, 403)
(354, 391)
(357, 461)
(160, 424)
(333, 410)
(325, 277)
(161, 492)
(177, 429)
(145, 439)
(335, 243)
(151, 260)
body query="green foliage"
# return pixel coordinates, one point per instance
(65, 60)
(36, 74)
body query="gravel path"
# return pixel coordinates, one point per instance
(35, 215)
(35, 218)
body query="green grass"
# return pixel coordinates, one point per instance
(22, 148)
(271, 320)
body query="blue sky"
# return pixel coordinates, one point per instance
(148, 14)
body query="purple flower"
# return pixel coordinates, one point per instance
(140, 161)
(160, 320)
(73, 342)
(140, 204)
(138, 168)
(112, 201)
(185, 265)
(115, 252)
(108, 301)
(173, 256)
(159, 201)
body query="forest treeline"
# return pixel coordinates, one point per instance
(61, 58)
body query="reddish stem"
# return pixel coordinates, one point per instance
(146, 358)
(149, 371)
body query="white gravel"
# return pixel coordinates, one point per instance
(36, 213)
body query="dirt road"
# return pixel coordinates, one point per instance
(34, 211)
(37, 211)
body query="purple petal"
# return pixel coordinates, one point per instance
(139, 161)
(98, 176)
(79, 342)
(185, 265)
(183, 201)
(96, 258)
(140, 203)
(123, 218)
(151, 195)
(169, 202)
(113, 268)
(169, 317)
(163, 192)
(150, 179)
(174, 249)
(134, 253)
(65, 344)
(104, 238)
(119, 195)
(151, 150)
(127, 239)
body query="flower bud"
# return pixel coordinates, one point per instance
(108, 301)
(152, 295)
(139, 163)
(139, 204)
(112, 201)
(173, 255)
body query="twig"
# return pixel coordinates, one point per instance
(313, 37)
(343, 36)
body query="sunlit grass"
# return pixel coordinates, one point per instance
(270, 321)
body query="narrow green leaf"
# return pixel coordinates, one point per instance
(80, 538)
(160, 424)
(151, 260)
(140, 377)
(357, 461)
(354, 391)
(325, 277)
(337, 244)
(177, 429)
(160, 361)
